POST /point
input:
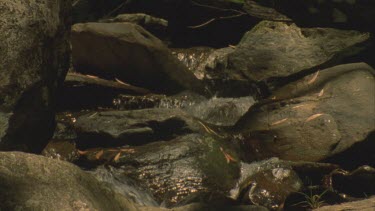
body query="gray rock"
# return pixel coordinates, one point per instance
(31, 182)
(130, 53)
(313, 118)
(360, 205)
(118, 128)
(179, 171)
(269, 183)
(34, 58)
(277, 49)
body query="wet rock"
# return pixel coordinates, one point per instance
(157, 26)
(276, 49)
(128, 52)
(78, 89)
(313, 118)
(125, 186)
(188, 166)
(118, 128)
(61, 150)
(211, 66)
(357, 183)
(360, 205)
(34, 59)
(216, 111)
(30, 182)
(267, 183)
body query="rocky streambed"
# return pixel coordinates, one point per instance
(258, 108)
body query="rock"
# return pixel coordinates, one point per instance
(157, 26)
(216, 111)
(206, 207)
(93, 10)
(357, 183)
(360, 205)
(78, 89)
(179, 170)
(273, 50)
(119, 128)
(267, 183)
(349, 14)
(31, 182)
(34, 59)
(128, 52)
(313, 118)
(265, 13)
(211, 66)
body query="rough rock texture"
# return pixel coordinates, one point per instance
(34, 58)
(128, 52)
(361, 205)
(118, 128)
(188, 167)
(313, 118)
(277, 49)
(212, 67)
(267, 183)
(30, 182)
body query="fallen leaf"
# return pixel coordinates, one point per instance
(121, 82)
(99, 154)
(313, 117)
(117, 157)
(279, 122)
(227, 156)
(92, 76)
(321, 93)
(314, 78)
(82, 152)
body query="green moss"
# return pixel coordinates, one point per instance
(220, 172)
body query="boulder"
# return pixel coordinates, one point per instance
(212, 67)
(131, 54)
(360, 205)
(179, 171)
(31, 182)
(266, 183)
(137, 127)
(34, 58)
(312, 118)
(273, 50)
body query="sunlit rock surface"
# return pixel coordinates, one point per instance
(313, 118)
(31, 182)
(129, 53)
(277, 49)
(188, 167)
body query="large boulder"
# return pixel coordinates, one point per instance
(313, 118)
(277, 50)
(188, 167)
(34, 58)
(31, 182)
(128, 52)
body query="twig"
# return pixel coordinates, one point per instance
(216, 19)
(216, 8)
(117, 8)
